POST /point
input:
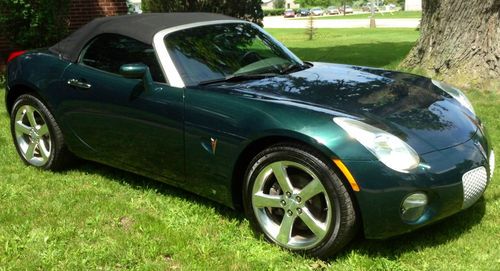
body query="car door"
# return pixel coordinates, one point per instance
(119, 121)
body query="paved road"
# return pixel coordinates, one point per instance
(280, 22)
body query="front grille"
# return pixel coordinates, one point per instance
(474, 182)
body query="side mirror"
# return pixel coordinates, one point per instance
(138, 71)
(134, 71)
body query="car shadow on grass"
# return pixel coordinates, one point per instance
(436, 234)
(377, 54)
(139, 182)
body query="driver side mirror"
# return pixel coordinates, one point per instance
(138, 71)
(134, 71)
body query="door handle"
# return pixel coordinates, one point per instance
(79, 84)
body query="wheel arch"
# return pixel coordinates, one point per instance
(261, 143)
(17, 90)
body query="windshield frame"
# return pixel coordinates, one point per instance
(170, 70)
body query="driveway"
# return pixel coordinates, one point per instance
(280, 22)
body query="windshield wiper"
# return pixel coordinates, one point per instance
(295, 67)
(237, 78)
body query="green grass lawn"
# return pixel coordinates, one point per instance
(95, 217)
(380, 47)
(378, 15)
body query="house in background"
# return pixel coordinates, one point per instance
(267, 4)
(291, 4)
(80, 12)
(83, 11)
(413, 5)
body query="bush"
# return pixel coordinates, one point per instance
(274, 12)
(359, 3)
(279, 3)
(250, 10)
(33, 23)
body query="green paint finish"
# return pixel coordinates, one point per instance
(162, 132)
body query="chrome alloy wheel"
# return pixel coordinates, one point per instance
(32, 135)
(291, 205)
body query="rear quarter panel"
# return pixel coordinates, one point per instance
(39, 71)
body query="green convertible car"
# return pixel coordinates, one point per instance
(312, 152)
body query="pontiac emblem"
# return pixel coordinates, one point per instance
(213, 143)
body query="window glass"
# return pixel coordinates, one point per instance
(109, 52)
(218, 51)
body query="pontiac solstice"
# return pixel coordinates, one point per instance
(311, 152)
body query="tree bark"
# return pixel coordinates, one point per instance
(459, 43)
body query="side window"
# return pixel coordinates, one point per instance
(109, 52)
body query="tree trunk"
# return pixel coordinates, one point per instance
(459, 43)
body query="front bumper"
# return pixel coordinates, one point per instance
(440, 177)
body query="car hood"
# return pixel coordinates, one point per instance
(406, 105)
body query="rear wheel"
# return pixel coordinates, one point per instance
(37, 137)
(298, 202)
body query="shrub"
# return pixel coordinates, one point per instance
(279, 3)
(250, 10)
(33, 23)
(274, 12)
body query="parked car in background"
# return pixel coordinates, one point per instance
(348, 10)
(332, 10)
(368, 8)
(317, 11)
(289, 13)
(303, 12)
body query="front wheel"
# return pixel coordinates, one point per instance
(298, 202)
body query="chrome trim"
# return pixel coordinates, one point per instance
(474, 183)
(173, 76)
(32, 136)
(292, 202)
(78, 84)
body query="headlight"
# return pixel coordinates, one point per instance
(389, 149)
(456, 94)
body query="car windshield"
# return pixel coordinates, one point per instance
(214, 52)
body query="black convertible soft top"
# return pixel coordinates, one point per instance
(141, 27)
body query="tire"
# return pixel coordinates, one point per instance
(318, 225)
(37, 136)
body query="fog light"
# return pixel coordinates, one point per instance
(413, 207)
(492, 163)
